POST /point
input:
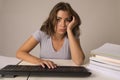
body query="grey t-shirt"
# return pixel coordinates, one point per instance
(46, 48)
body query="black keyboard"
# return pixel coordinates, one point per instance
(60, 71)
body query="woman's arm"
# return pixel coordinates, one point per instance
(24, 54)
(23, 51)
(75, 47)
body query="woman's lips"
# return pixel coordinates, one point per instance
(63, 30)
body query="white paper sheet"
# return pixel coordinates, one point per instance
(8, 61)
(103, 73)
(108, 50)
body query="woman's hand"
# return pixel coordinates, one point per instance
(72, 24)
(48, 63)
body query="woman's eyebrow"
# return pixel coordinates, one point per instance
(59, 17)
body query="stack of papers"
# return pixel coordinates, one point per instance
(108, 56)
(8, 61)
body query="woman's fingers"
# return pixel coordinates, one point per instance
(42, 65)
(48, 63)
(71, 25)
(51, 64)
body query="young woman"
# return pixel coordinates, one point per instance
(58, 38)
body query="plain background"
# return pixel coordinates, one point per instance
(20, 18)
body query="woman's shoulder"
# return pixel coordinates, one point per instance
(39, 35)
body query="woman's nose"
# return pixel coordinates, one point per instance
(63, 23)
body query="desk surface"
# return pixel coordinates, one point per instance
(98, 73)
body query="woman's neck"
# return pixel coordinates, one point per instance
(58, 37)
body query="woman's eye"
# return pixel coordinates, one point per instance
(68, 20)
(58, 19)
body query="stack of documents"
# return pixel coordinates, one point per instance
(108, 56)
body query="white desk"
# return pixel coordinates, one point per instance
(98, 73)
(5, 60)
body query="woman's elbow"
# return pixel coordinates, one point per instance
(79, 62)
(18, 54)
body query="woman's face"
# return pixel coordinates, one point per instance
(63, 19)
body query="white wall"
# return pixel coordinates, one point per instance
(1, 4)
(119, 11)
(20, 18)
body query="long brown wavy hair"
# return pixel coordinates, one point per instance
(49, 25)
